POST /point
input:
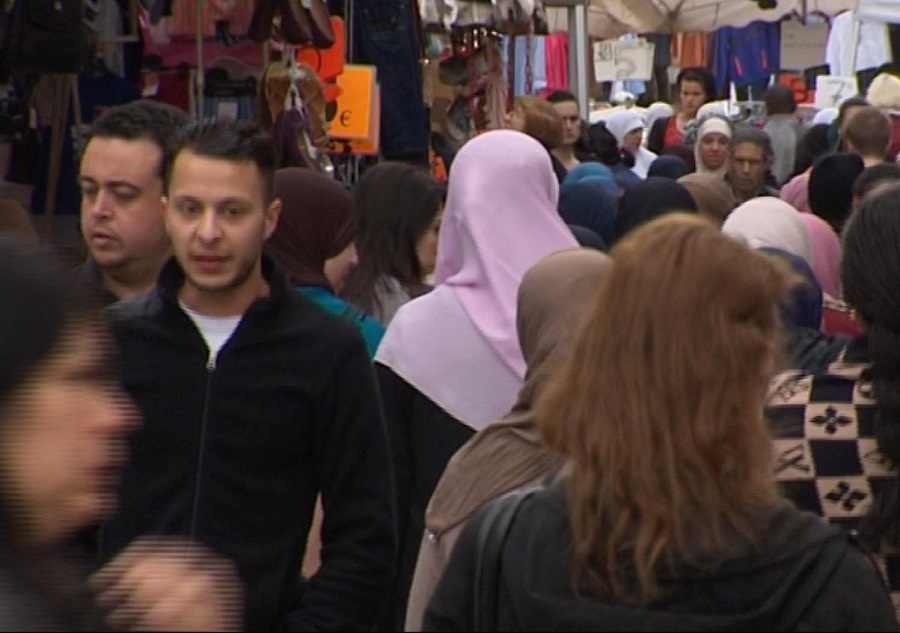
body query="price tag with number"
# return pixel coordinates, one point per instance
(832, 91)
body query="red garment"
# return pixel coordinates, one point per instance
(837, 319)
(556, 49)
(673, 136)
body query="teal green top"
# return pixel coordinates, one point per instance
(370, 328)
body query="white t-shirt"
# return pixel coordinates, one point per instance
(215, 330)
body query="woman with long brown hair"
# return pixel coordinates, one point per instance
(666, 515)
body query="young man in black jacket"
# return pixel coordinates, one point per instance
(254, 402)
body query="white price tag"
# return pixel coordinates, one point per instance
(832, 91)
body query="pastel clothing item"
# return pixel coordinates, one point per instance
(768, 222)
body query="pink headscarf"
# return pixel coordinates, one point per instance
(458, 345)
(499, 221)
(826, 254)
(796, 193)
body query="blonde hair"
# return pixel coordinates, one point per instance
(659, 407)
(542, 122)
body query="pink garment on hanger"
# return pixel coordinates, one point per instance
(556, 46)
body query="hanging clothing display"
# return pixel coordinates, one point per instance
(874, 45)
(557, 56)
(235, 13)
(690, 49)
(747, 55)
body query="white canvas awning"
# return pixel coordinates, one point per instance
(611, 18)
(884, 11)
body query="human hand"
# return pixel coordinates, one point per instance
(170, 584)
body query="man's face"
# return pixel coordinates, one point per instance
(121, 193)
(217, 219)
(747, 167)
(568, 110)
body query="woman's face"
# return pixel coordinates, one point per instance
(692, 97)
(632, 141)
(714, 150)
(338, 267)
(67, 440)
(426, 246)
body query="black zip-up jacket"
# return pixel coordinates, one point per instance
(234, 450)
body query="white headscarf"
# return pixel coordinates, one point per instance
(825, 116)
(622, 123)
(712, 125)
(656, 111)
(768, 222)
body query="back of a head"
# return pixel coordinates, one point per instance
(41, 304)
(884, 92)
(780, 100)
(143, 120)
(554, 294)
(232, 141)
(683, 152)
(831, 187)
(671, 167)
(682, 330)
(542, 122)
(812, 146)
(870, 268)
(873, 177)
(715, 199)
(395, 205)
(868, 131)
(648, 200)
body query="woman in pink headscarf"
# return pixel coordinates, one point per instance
(836, 315)
(449, 363)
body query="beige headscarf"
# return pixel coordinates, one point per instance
(715, 199)
(15, 219)
(508, 454)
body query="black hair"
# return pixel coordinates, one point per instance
(40, 301)
(395, 204)
(597, 143)
(143, 120)
(780, 100)
(235, 141)
(874, 176)
(703, 77)
(831, 187)
(561, 96)
(871, 266)
(852, 102)
(749, 134)
(811, 147)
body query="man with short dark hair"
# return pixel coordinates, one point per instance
(121, 176)
(750, 156)
(566, 106)
(254, 402)
(868, 133)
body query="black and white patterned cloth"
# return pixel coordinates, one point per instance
(825, 454)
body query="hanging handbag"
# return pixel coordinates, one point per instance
(306, 22)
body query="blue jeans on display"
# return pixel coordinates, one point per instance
(385, 37)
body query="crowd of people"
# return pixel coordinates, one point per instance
(594, 382)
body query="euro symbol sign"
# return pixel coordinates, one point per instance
(345, 118)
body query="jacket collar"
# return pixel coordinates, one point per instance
(172, 277)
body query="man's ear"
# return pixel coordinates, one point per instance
(273, 213)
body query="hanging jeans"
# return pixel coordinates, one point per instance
(386, 38)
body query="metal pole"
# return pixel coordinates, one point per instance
(199, 82)
(854, 45)
(579, 53)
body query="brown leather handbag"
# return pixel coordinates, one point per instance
(299, 22)
(306, 22)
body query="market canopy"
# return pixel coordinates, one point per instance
(886, 11)
(611, 18)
